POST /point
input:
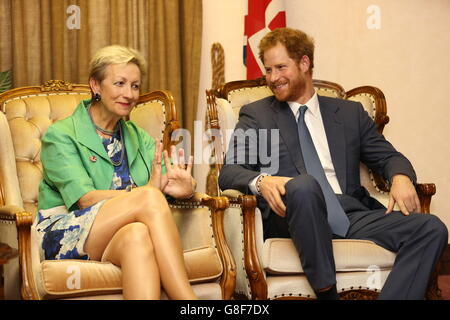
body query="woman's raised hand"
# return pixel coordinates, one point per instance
(155, 179)
(178, 181)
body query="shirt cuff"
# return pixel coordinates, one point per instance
(252, 184)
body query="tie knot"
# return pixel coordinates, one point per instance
(302, 111)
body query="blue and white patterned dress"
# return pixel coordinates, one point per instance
(64, 233)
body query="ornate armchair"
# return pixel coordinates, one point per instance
(26, 115)
(271, 269)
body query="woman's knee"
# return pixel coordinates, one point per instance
(147, 193)
(135, 236)
(149, 199)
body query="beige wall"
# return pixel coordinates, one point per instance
(407, 57)
(223, 22)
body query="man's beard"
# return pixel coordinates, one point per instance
(293, 91)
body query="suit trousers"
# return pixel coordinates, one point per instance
(418, 239)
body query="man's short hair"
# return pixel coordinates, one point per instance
(296, 42)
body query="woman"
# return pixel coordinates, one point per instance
(102, 196)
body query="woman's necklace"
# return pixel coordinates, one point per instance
(111, 133)
(102, 130)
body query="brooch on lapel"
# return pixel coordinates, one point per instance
(93, 158)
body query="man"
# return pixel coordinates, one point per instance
(313, 192)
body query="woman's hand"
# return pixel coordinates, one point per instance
(155, 179)
(178, 181)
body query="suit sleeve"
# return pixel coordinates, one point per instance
(241, 160)
(379, 154)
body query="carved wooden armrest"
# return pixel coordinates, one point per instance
(23, 221)
(217, 205)
(425, 191)
(9, 212)
(253, 267)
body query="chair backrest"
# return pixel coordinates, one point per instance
(224, 103)
(156, 113)
(28, 112)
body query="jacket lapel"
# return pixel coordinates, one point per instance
(131, 143)
(334, 129)
(87, 136)
(84, 131)
(285, 120)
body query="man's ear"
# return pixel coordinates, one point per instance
(304, 64)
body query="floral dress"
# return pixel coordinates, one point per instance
(62, 233)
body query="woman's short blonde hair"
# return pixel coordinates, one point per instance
(114, 54)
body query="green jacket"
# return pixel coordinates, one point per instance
(75, 161)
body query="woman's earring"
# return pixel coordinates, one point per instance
(97, 97)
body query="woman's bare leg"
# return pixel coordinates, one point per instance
(131, 248)
(148, 206)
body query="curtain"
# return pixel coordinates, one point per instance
(55, 39)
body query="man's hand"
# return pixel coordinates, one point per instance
(404, 194)
(272, 189)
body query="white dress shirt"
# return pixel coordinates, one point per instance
(313, 120)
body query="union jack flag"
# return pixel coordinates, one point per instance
(262, 17)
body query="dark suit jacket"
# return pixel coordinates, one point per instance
(351, 134)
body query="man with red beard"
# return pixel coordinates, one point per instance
(314, 194)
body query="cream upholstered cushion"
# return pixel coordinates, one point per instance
(328, 92)
(228, 119)
(368, 102)
(280, 256)
(243, 96)
(28, 119)
(298, 286)
(66, 278)
(151, 117)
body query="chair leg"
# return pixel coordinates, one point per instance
(433, 291)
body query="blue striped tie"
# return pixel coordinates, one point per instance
(336, 216)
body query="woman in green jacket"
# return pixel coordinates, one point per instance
(102, 195)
